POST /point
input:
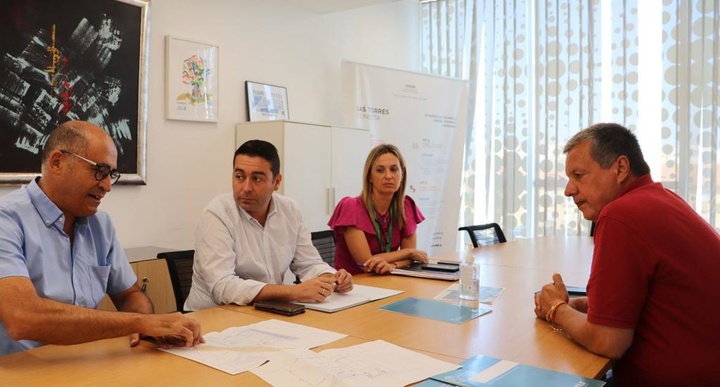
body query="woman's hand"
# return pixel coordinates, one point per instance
(417, 255)
(378, 265)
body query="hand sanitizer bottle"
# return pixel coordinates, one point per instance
(469, 277)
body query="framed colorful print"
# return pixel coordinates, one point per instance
(72, 60)
(191, 70)
(266, 102)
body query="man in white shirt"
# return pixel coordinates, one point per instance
(247, 240)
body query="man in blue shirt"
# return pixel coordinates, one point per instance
(59, 256)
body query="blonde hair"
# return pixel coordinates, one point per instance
(398, 202)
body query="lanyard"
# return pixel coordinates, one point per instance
(376, 223)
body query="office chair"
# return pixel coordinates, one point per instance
(484, 234)
(324, 242)
(180, 268)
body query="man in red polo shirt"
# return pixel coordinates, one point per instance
(652, 297)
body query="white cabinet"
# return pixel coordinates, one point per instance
(320, 164)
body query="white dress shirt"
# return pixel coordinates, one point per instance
(235, 256)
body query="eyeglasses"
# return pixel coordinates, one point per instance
(102, 170)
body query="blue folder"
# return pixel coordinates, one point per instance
(436, 310)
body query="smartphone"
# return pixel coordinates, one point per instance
(280, 307)
(440, 267)
(454, 263)
(576, 290)
(573, 290)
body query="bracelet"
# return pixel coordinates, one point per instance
(550, 316)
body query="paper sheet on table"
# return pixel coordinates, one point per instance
(373, 293)
(240, 349)
(376, 363)
(487, 294)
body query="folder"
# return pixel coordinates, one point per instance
(436, 310)
(418, 269)
(489, 371)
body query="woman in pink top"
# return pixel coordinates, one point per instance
(375, 232)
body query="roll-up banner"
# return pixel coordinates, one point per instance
(424, 116)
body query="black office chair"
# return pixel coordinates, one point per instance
(324, 242)
(180, 268)
(484, 234)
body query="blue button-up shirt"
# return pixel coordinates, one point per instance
(34, 245)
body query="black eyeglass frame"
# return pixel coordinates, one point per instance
(102, 170)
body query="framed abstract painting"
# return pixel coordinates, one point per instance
(72, 60)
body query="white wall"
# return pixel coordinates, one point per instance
(269, 41)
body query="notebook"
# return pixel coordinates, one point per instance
(360, 294)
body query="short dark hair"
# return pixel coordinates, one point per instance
(260, 148)
(67, 137)
(608, 141)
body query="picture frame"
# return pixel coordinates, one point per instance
(73, 60)
(266, 102)
(191, 79)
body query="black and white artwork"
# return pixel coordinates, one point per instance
(72, 60)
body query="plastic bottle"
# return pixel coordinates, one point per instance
(469, 277)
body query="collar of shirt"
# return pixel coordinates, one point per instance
(637, 183)
(272, 210)
(49, 212)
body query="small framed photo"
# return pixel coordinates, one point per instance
(191, 71)
(266, 102)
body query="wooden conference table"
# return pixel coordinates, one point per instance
(510, 331)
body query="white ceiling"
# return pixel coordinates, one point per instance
(329, 6)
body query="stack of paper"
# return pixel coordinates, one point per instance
(240, 349)
(278, 352)
(377, 363)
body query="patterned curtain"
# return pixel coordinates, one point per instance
(541, 70)
(690, 110)
(447, 50)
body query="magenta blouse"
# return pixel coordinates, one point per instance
(350, 211)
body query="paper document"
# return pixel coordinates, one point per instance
(240, 349)
(360, 294)
(376, 363)
(487, 294)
